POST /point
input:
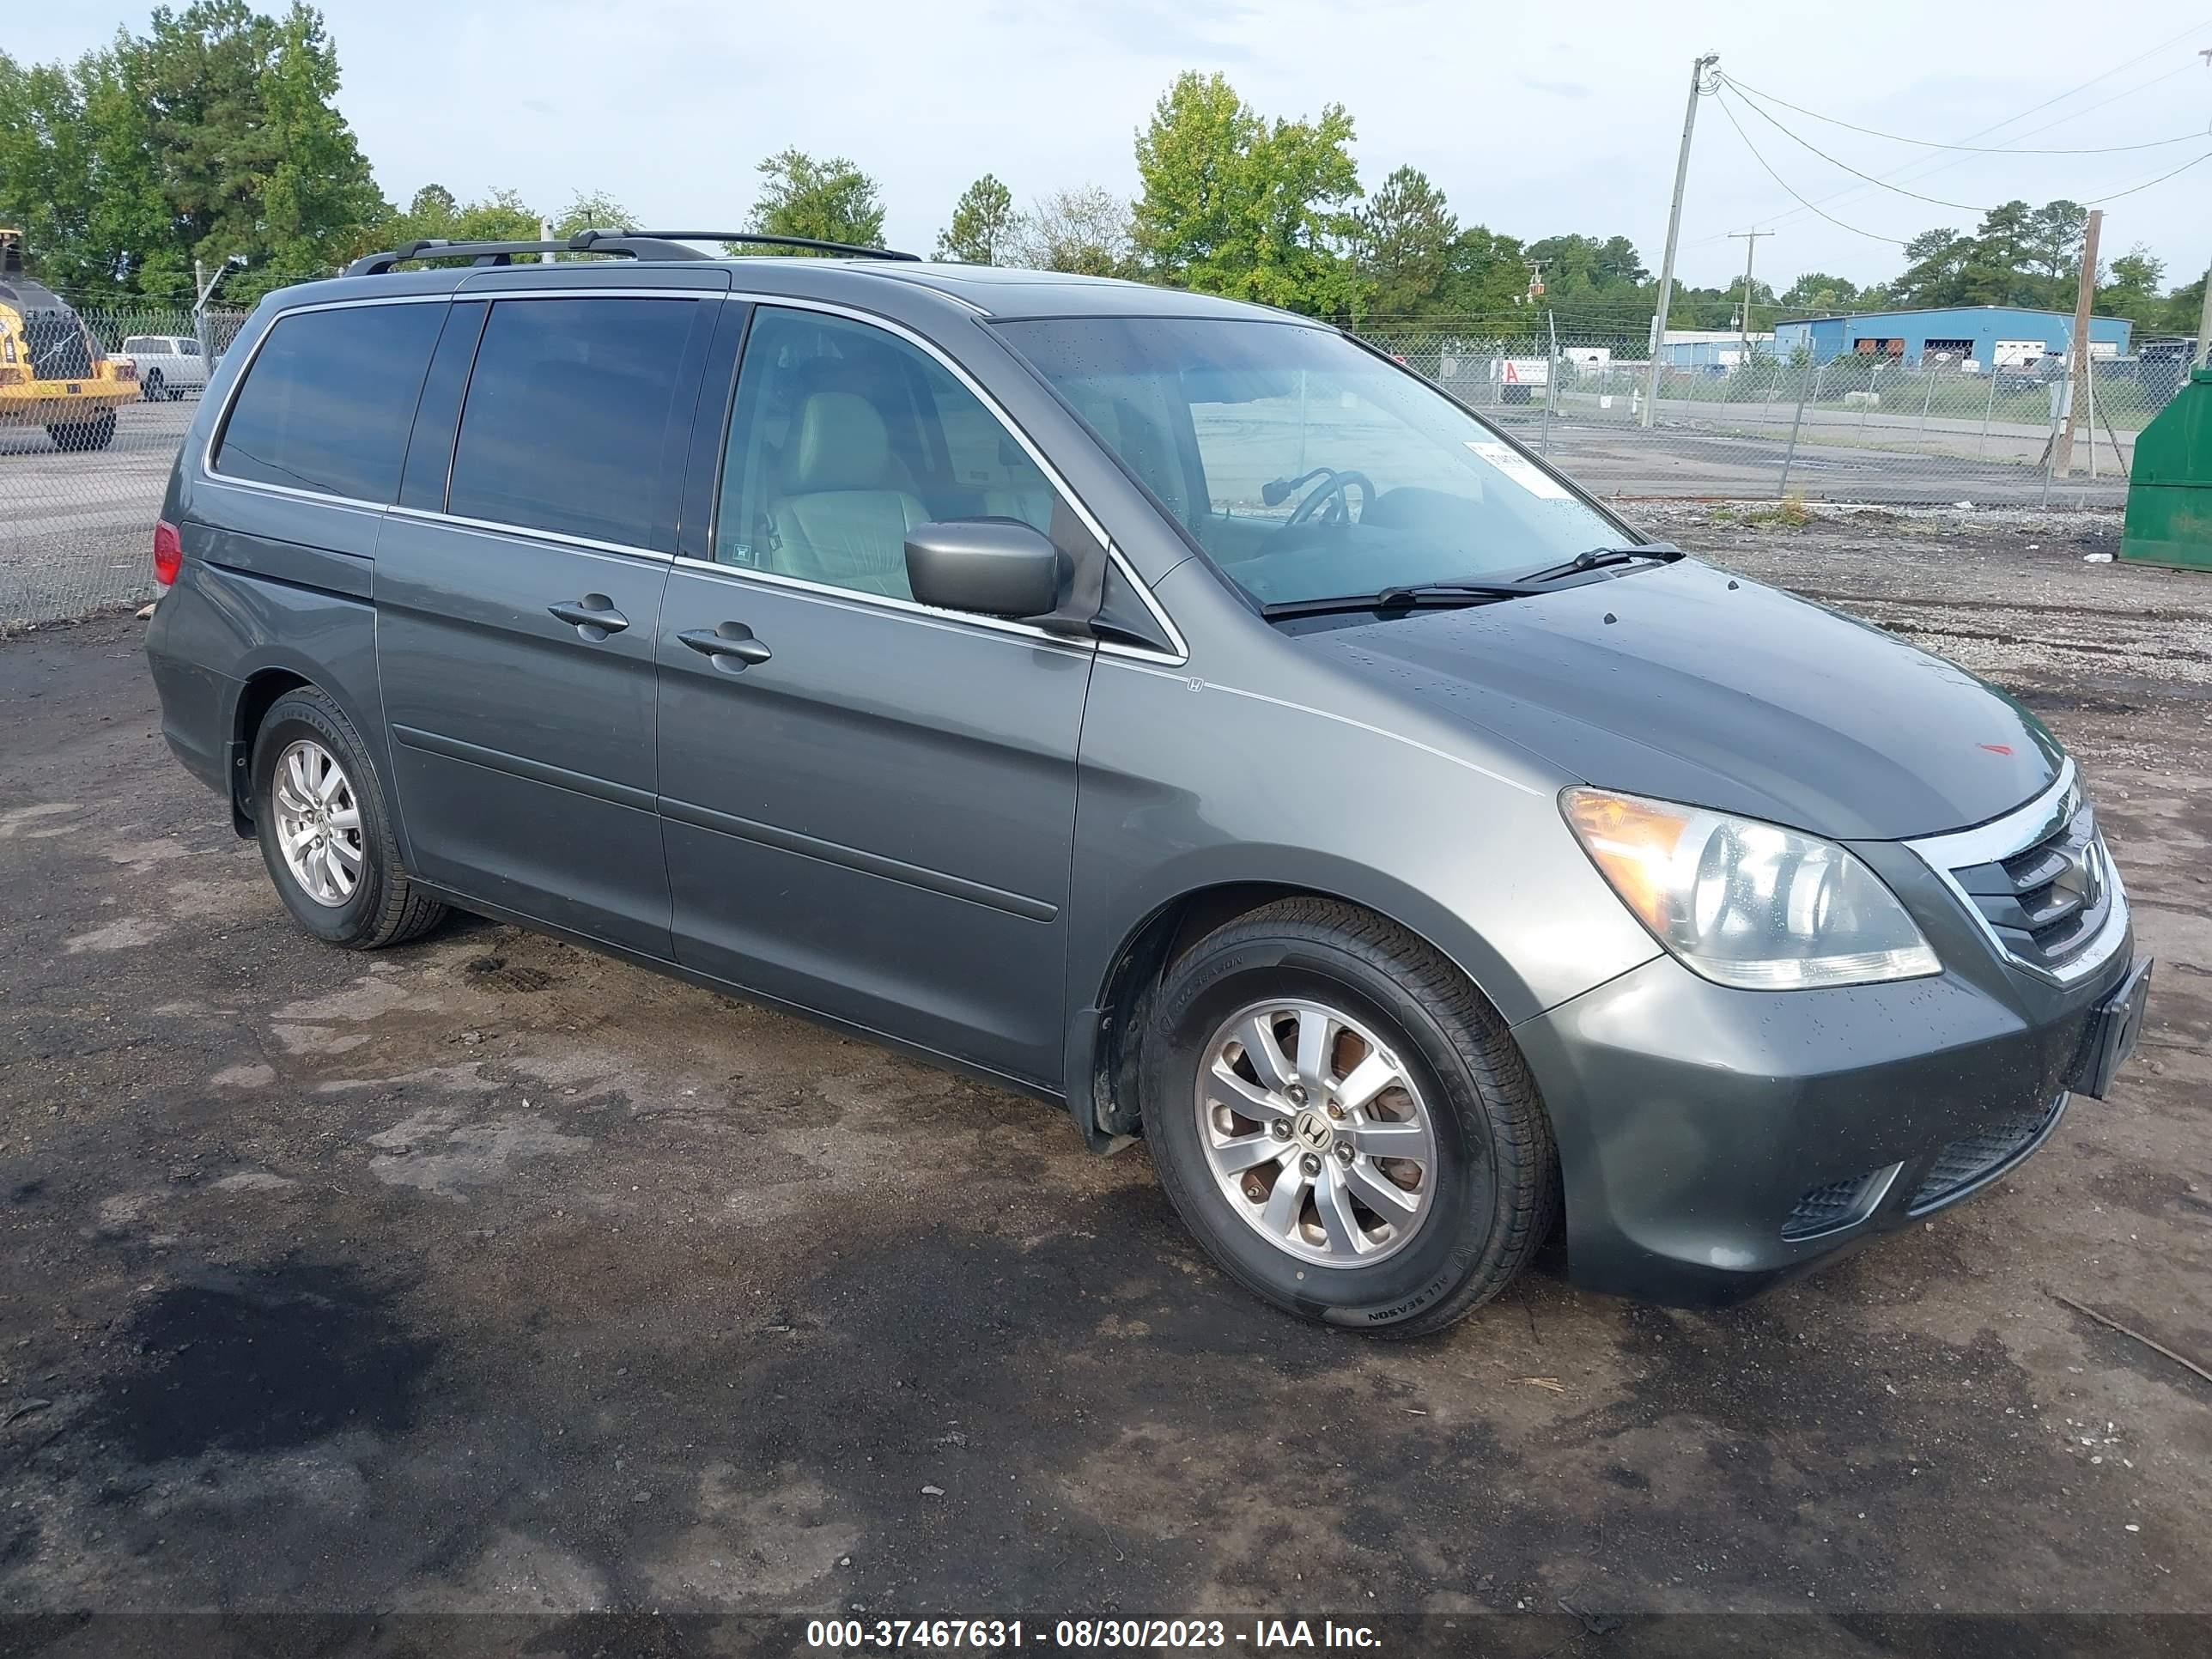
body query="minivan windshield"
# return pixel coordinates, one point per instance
(1305, 466)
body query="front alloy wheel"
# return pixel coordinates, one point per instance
(1343, 1121)
(1317, 1133)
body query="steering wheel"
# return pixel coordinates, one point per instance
(1333, 489)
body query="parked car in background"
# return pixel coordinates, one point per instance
(53, 373)
(1169, 708)
(168, 365)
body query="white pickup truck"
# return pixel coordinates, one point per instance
(169, 365)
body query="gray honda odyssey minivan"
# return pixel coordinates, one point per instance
(1166, 707)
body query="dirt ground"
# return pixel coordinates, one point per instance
(488, 1275)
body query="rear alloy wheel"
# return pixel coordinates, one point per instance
(318, 823)
(1342, 1120)
(325, 836)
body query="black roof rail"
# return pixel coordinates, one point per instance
(762, 239)
(632, 244)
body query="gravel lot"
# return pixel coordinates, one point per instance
(488, 1275)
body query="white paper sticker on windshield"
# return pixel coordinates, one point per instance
(1519, 468)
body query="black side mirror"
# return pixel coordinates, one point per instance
(989, 567)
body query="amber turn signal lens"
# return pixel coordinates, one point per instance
(1633, 844)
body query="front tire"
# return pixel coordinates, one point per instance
(152, 387)
(325, 834)
(1343, 1121)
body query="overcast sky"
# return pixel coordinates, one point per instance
(1535, 120)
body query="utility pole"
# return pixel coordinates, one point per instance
(1750, 246)
(1674, 234)
(2204, 315)
(2077, 376)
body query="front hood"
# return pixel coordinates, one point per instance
(1693, 686)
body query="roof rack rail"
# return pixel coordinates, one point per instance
(632, 244)
(856, 250)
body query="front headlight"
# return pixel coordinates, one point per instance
(1746, 904)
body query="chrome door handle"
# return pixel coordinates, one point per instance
(732, 644)
(594, 616)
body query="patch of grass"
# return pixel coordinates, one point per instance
(1791, 512)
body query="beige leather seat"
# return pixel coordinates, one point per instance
(844, 511)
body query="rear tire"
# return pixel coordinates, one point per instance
(95, 433)
(1449, 1227)
(153, 386)
(325, 833)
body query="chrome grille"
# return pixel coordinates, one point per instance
(2048, 900)
(2039, 881)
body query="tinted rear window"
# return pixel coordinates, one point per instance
(329, 398)
(566, 422)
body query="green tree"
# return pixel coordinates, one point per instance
(1406, 240)
(1935, 274)
(982, 224)
(1485, 274)
(829, 201)
(2051, 246)
(1237, 204)
(593, 210)
(2018, 256)
(1084, 231)
(46, 183)
(2133, 292)
(1816, 293)
(1603, 285)
(212, 135)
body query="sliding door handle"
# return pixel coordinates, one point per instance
(731, 645)
(593, 616)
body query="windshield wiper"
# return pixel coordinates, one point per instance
(1597, 558)
(1406, 597)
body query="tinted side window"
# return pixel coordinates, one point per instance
(845, 438)
(329, 398)
(565, 426)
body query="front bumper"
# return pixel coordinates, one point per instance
(1713, 1142)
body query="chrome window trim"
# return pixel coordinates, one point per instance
(222, 421)
(1006, 422)
(210, 474)
(2015, 832)
(497, 527)
(858, 597)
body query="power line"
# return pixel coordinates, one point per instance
(2100, 200)
(1872, 235)
(1906, 168)
(1963, 207)
(1976, 149)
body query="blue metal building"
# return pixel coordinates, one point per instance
(1991, 337)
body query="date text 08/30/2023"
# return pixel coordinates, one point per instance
(1253, 1636)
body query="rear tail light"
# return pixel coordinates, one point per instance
(11, 377)
(168, 553)
(124, 368)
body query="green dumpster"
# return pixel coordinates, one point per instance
(2170, 493)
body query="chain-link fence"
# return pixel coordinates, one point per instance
(1862, 429)
(81, 472)
(78, 496)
